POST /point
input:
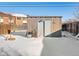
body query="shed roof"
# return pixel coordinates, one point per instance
(44, 16)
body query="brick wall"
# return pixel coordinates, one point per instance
(33, 23)
(56, 24)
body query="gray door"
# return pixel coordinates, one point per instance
(47, 27)
(44, 28)
(40, 29)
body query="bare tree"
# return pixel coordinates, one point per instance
(76, 12)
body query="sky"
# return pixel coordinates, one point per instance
(64, 9)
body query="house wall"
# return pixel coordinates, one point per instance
(5, 20)
(18, 23)
(4, 26)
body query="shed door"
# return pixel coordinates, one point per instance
(40, 29)
(47, 27)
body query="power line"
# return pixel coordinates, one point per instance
(36, 6)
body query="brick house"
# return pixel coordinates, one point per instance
(41, 26)
(4, 23)
(17, 20)
(20, 21)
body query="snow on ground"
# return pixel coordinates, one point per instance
(2, 38)
(67, 34)
(24, 46)
(48, 46)
(8, 51)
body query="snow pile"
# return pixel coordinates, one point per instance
(8, 51)
(2, 38)
(22, 46)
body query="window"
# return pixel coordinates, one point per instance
(10, 17)
(19, 18)
(24, 18)
(1, 19)
(11, 21)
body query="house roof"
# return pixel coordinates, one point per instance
(18, 15)
(15, 14)
(2, 13)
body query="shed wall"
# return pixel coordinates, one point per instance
(33, 25)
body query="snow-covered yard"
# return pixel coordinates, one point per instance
(23, 46)
(48, 46)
